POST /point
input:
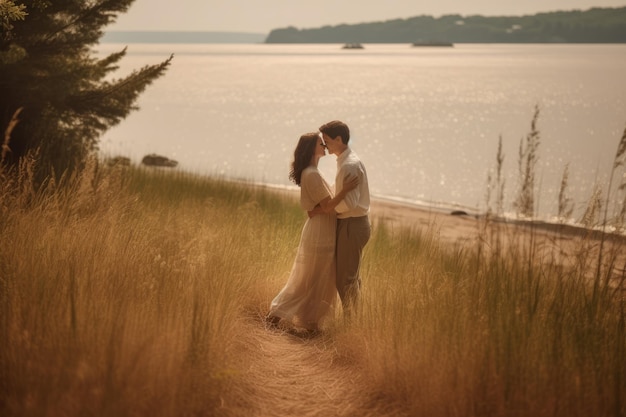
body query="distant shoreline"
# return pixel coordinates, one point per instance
(596, 25)
(165, 37)
(454, 224)
(182, 37)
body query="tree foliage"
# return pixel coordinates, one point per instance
(9, 13)
(596, 25)
(55, 94)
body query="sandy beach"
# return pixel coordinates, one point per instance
(553, 243)
(453, 228)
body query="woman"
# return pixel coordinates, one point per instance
(310, 291)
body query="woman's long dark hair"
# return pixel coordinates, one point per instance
(302, 155)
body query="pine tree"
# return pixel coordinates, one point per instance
(62, 96)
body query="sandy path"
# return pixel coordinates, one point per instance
(304, 377)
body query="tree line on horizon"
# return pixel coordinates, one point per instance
(596, 25)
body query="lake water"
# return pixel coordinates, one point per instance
(425, 121)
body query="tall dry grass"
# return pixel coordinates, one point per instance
(451, 332)
(126, 291)
(122, 292)
(510, 326)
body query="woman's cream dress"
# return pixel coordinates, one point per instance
(310, 291)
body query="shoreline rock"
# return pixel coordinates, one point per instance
(158, 161)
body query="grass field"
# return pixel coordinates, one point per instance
(131, 292)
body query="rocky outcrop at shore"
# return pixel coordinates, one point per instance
(158, 161)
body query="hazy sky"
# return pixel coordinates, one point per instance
(261, 16)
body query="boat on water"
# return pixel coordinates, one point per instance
(433, 43)
(353, 45)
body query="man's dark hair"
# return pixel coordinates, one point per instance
(337, 128)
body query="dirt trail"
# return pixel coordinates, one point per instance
(304, 377)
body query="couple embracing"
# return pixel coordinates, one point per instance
(334, 235)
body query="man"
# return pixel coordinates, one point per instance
(353, 225)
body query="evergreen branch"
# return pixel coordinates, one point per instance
(103, 9)
(124, 91)
(143, 77)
